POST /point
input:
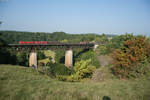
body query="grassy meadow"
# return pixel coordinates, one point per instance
(23, 83)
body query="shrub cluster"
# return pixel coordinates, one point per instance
(133, 58)
(115, 43)
(86, 55)
(40, 55)
(56, 69)
(82, 69)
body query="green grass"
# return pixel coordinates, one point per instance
(22, 83)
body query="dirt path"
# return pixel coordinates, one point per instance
(104, 59)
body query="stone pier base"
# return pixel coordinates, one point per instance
(69, 58)
(33, 59)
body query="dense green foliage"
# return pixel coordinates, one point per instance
(60, 56)
(82, 69)
(149, 39)
(78, 55)
(22, 58)
(40, 55)
(2, 42)
(15, 37)
(56, 69)
(5, 55)
(133, 58)
(114, 43)
(118, 41)
(86, 55)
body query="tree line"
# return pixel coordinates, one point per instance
(16, 36)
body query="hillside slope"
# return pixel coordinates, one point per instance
(22, 83)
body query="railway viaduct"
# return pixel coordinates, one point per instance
(33, 48)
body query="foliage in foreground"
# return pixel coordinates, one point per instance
(133, 59)
(82, 69)
(55, 69)
(86, 55)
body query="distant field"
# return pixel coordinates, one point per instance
(22, 83)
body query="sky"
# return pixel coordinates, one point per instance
(76, 16)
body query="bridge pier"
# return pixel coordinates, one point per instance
(69, 58)
(33, 59)
(95, 46)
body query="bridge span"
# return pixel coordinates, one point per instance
(33, 48)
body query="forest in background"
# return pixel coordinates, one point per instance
(16, 36)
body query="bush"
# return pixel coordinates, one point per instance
(56, 69)
(22, 58)
(132, 59)
(60, 56)
(118, 41)
(40, 55)
(82, 69)
(89, 54)
(114, 43)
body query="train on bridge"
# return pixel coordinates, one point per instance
(34, 46)
(33, 42)
(45, 42)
